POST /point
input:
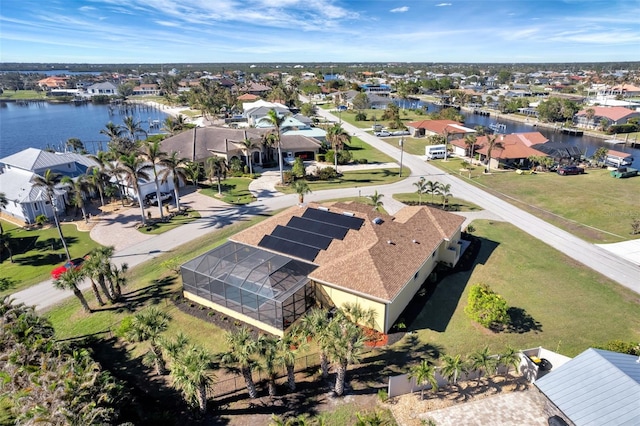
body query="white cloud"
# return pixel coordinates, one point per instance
(167, 23)
(400, 9)
(443, 4)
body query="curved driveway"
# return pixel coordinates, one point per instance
(43, 295)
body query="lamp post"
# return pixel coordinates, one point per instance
(401, 143)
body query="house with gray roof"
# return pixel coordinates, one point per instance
(17, 171)
(597, 387)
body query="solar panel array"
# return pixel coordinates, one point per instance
(304, 236)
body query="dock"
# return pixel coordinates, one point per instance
(572, 131)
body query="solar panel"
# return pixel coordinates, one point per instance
(337, 219)
(302, 237)
(316, 227)
(289, 247)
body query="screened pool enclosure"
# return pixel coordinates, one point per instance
(267, 287)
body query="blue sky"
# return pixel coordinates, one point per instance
(252, 31)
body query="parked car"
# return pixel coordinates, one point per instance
(570, 170)
(72, 264)
(153, 200)
(400, 133)
(382, 134)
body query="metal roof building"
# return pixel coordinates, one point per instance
(596, 388)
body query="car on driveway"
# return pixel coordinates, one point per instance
(382, 134)
(570, 170)
(153, 200)
(72, 264)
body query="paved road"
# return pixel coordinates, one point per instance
(620, 270)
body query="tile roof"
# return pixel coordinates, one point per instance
(439, 126)
(597, 387)
(378, 259)
(612, 113)
(516, 145)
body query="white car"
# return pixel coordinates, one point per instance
(382, 134)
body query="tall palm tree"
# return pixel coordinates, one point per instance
(69, 280)
(482, 362)
(176, 168)
(290, 345)
(147, 326)
(433, 187)
(376, 200)
(118, 278)
(445, 193)
(112, 131)
(98, 268)
(302, 188)
(192, 375)
(79, 188)
(217, 168)
(75, 144)
(492, 143)
(337, 137)
(347, 341)
(193, 171)
(510, 358)
(268, 348)
(247, 145)
(133, 127)
(276, 121)
(96, 178)
(242, 349)
(152, 152)
(47, 183)
(452, 368)
(470, 143)
(132, 168)
(424, 373)
(175, 125)
(316, 324)
(421, 184)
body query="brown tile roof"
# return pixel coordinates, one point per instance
(612, 113)
(516, 145)
(376, 260)
(248, 97)
(438, 126)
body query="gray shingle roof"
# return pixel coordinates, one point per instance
(596, 388)
(34, 159)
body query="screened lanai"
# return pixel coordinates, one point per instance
(264, 286)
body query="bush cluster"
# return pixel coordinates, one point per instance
(486, 307)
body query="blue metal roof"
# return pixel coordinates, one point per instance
(597, 387)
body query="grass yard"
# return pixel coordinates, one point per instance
(455, 204)
(18, 95)
(162, 227)
(374, 116)
(355, 178)
(413, 146)
(235, 190)
(36, 252)
(362, 150)
(593, 206)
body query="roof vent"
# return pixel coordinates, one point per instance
(415, 241)
(348, 214)
(377, 220)
(391, 242)
(324, 209)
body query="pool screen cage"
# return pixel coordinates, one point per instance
(268, 287)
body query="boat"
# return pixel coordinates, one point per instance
(572, 131)
(618, 159)
(498, 127)
(614, 141)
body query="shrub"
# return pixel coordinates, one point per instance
(298, 169)
(361, 116)
(320, 158)
(487, 307)
(41, 219)
(288, 176)
(363, 161)
(326, 173)
(329, 156)
(383, 395)
(344, 157)
(630, 348)
(124, 327)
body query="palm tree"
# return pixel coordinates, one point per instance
(337, 137)
(347, 340)
(132, 167)
(376, 200)
(268, 347)
(217, 167)
(433, 187)
(151, 151)
(133, 128)
(470, 143)
(75, 144)
(452, 367)
(174, 125)
(47, 183)
(79, 188)
(3, 205)
(358, 315)
(482, 362)
(117, 278)
(147, 326)
(242, 348)
(193, 171)
(302, 188)
(95, 178)
(112, 131)
(492, 143)
(316, 324)
(445, 193)
(510, 358)
(192, 375)
(69, 280)
(601, 154)
(421, 184)
(247, 146)
(98, 267)
(289, 346)
(175, 167)
(276, 121)
(424, 373)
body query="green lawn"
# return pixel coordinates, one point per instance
(593, 206)
(23, 95)
(235, 190)
(162, 227)
(362, 150)
(355, 178)
(36, 252)
(455, 204)
(374, 116)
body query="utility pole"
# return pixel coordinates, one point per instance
(401, 143)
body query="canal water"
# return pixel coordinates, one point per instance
(587, 144)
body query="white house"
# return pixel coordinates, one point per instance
(105, 88)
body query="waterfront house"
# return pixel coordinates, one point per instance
(513, 151)
(610, 115)
(104, 88)
(17, 171)
(270, 274)
(452, 129)
(146, 90)
(53, 82)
